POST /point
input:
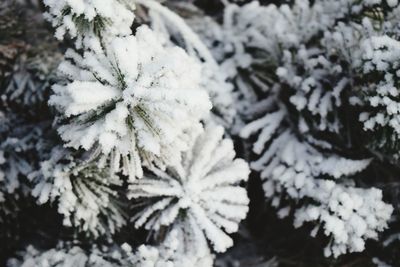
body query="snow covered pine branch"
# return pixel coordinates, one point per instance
(200, 194)
(138, 101)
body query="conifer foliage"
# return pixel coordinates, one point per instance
(195, 133)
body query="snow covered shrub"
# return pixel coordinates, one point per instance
(134, 142)
(138, 101)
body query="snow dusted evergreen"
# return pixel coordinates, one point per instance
(199, 133)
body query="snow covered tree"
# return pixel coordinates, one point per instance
(152, 133)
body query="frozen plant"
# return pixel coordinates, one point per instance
(201, 194)
(139, 101)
